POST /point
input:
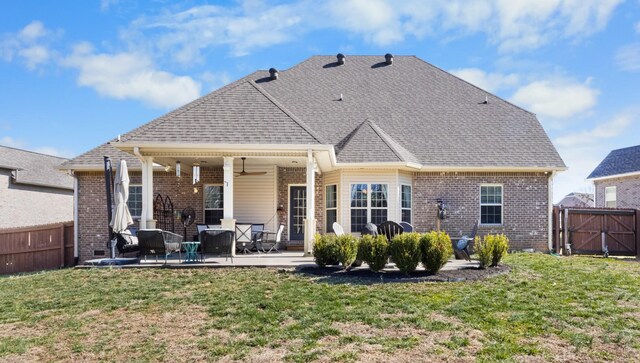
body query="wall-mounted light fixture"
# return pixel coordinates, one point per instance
(178, 170)
(196, 173)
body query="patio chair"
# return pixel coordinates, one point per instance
(461, 247)
(370, 228)
(216, 242)
(406, 227)
(256, 236)
(127, 242)
(337, 229)
(243, 238)
(272, 244)
(390, 229)
(158, 242)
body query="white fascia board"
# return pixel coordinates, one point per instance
(635, 173)
(418, 167)
(167, 147)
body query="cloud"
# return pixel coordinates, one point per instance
(628, 57)
(187, 33)
(10, 142)
(556, 98)
(491, 82)
(130, 76)
(637, 27)
(606, 130)
(106, 4)
(30, 45)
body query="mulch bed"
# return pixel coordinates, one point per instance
(363, 275)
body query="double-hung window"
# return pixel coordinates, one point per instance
(491, 204)
(405, 201)
(135, 200)
(369, 203)
(213, 204)
(610, 198)
(331, 206)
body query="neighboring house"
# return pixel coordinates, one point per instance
(617, 179)
(577, 200)
(33, 190)
(366, 139)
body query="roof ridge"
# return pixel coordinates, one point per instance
(161, 119)
(473, 85)
(345, 140)
(34, 152)
(381, 134)
(304, 126)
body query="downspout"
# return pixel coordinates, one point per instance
(550, 209)
(143, 217)
(76, 246)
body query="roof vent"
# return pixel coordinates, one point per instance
(273, 73)
(388, 59)
(341, 58)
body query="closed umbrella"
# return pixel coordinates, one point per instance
(121, 218)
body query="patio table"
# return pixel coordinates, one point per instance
(191, 251)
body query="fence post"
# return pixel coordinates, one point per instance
(62, 244)
(565, 232)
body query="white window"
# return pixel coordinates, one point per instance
(610, 197)
(369, 203)
(331, 206)
(213, 204)
(405, 202)
(135, 200)
(491, 204)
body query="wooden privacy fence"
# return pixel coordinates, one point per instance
(36, 248)
(592, 231)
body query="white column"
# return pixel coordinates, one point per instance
(310, 221)
(228, 222)
(146, 219)
(550, 209)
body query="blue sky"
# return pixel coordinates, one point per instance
(77, 73)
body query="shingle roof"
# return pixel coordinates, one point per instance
(95, 158)
(409, 111)
(620, 161)
(35, 168)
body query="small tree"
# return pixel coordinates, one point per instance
(347, 248)
(325, 250)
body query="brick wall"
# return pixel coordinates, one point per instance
(289, 176)
(525, 209)
(627, 191)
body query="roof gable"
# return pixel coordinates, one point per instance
(620, 161)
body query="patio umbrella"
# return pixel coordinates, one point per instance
(121, 218)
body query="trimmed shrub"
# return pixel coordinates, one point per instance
(347, 247)
(491, 249)
(374, 251)
(325, 250)
(500, 247)
(484, 251)
(436, 250)
(405, 251)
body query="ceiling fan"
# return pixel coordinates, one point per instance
(243, 173)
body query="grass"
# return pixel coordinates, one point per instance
(546, 308)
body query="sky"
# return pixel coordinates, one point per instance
(75, 74)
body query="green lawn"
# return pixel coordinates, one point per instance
(545, 309)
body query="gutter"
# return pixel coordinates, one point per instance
(624, 175)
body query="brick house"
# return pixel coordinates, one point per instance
(617, 179)
(32, 189)
(348, 140)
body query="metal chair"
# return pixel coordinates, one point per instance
(158, 242)
(390, 229)
(406, 227)
(216, 242)
(243, 237)
(337, 229)
(256, 236)
(275, 242)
